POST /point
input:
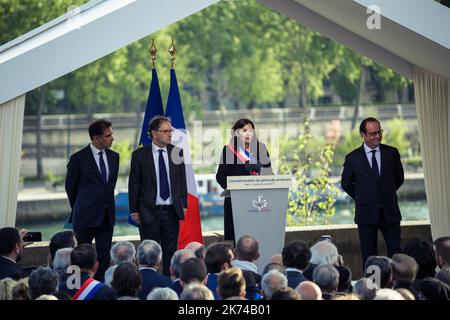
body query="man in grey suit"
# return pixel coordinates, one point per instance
(372, 175)
(157, 189)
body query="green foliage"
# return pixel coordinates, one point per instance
(124, 149)
(395, 135)
(312, 197)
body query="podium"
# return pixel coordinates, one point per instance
(259, 205)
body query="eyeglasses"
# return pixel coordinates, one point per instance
(166, 131)
(374, 134)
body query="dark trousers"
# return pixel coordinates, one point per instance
(228, 224)
(164, 230)
(103, 240)
(368, 237)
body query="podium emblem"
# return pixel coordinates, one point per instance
(260, 203)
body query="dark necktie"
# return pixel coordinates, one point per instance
(375, 164)
(164, 191)
(102, 167)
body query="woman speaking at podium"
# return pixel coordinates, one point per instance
(243, 156)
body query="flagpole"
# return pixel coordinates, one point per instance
(172, 52)
(153, 52)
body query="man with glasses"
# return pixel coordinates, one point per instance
(157, 189)
(372, 175)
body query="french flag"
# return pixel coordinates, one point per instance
(191, 227)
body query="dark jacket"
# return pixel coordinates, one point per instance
(150, 280)
(231, 165)
(295, 278)
(142, 185)
(105, 293)
(10, 269)
(88, 194)
(370, 193)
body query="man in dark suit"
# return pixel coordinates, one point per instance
(90, 182)
(296, 256)
(149, 256)
(11, 248)
(157, 189)
(372, 175)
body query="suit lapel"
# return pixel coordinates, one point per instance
(151, 162)
(112, 165)
(92, 162)
(383, 160)
(366, 161)
(171, 164)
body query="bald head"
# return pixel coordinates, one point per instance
(308, 290)
(247, 249)
(277, 258)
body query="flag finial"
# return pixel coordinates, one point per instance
(172, 52)
(153, 51)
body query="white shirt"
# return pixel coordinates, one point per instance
(95, 152)
(377, 156)
(155, 149)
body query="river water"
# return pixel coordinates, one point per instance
(411, 210)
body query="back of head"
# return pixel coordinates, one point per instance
(442, 248)
(20, 290)
(422, 251)
(43, 280)
(62, 260)
(162, 294)
(9, 239)
(84, 256)
(247, 249)
(406, 294)
(404, 268)
(324, 252)
(379, 265)
(126, 279)
(177, 260)
(345, 279)
(196, 291)
(308, 290)
(347, 296)
(6, 288)
(444, 275)
(271, 282)
(296, 255)
(46, 297)
(274, 266)
(286, 294)
(326, 277)
(149, 253)
(60, 240)
(434, 289)
(217, 255)
(122, 251)
(197, 248)
(193, 270)
(277, 258)
(387, 294)
(231, 283)
(365, 288)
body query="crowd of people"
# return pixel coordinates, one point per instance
(222, 272)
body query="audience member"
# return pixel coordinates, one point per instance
(60, 240)
(42, 281)
(271, 282)
(219, 257)
(149, 258)
(126, 281)
(404, 271)
(197, 248)
(286, 294)
(162, 294)
(327, 278)
(231, 283)
(196, 291)
(442, 248)
(11, 248)
(308, 290)
(296, 256)
(178, 258)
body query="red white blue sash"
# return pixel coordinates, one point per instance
(88, 289)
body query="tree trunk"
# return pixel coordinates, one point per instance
(359, 97)
(41, 106)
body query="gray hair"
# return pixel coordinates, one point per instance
(162, 294)
(324, 252)
(178, 258)
(149, 253)
(198, 249)
(196, 291)
(43, 280)
(326, 277)
(109, 273)
(272, 281)
(62, 261)
(388, 294)
(122, 251)
(365, 288)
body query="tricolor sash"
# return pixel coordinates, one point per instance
(88, 289)
(244, 156)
